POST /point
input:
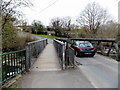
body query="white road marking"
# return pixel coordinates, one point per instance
(94, 85)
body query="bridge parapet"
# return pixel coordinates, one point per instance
(65, 53)
(33, 49)
(60, 48)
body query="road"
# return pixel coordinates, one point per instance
(101, 71)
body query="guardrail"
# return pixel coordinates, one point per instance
(13, 63)
(33, 49)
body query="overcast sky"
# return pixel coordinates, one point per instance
(45, 10)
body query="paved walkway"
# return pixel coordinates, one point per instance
(48, 60)
(46, 73)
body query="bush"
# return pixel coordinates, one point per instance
(19, 43)
(10, 39)
(22, 41)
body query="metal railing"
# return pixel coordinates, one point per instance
(69, 57)
(33, 49)
(13, 63)
(65, 53)
(60, 48)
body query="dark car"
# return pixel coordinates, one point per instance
(83, 48)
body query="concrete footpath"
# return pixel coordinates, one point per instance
(46, 73)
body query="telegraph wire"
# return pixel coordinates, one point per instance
(44, 8)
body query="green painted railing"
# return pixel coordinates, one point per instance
(13, 63)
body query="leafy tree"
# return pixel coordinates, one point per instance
(37, 27)
(9, 15)
(9, 35)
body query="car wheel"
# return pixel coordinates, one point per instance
(92, 55)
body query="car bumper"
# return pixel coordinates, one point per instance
(86, 52)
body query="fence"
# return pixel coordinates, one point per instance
(65, 53)
(12, 64)
(33, 49)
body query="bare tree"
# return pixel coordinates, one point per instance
(9, 8)
(56, 22)
(67, 23)
(92, 17)
(108, 30)
(63, 26)
(68, 26)
(56, 25)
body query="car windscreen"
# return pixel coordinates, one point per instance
(85, 45)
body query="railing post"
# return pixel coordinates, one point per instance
(110, 49)
(27, 63)
(63, 58)
(46, 41)
(0, 43)
(117, 51)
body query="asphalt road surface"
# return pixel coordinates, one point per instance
(101, 71)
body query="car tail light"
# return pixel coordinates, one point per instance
(94, 49)
(79, 48)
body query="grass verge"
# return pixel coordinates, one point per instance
(47, 36)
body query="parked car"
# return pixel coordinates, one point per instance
(83, 48)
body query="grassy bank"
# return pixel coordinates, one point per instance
(47, 36)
